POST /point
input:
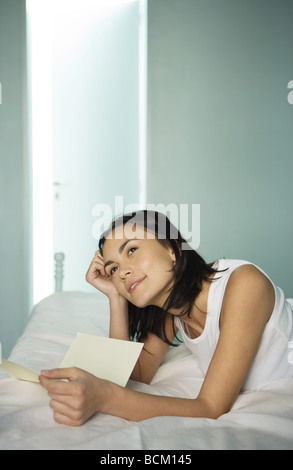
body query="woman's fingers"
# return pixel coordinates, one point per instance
(57, 381)
(98, 278)
(65, 414)
(70, 373)
(96, 269)
(73, 402)
(99, 260)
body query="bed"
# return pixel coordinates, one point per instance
(261, 419)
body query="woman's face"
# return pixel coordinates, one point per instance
(141, 268)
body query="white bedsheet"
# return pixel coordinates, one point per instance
(261, 419)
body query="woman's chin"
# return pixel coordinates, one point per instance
(139, 303)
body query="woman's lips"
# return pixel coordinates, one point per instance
(135, 284)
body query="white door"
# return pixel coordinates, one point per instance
(95, 122)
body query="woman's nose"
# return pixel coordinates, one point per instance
(125, 271)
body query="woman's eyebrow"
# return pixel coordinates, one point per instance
(120, 251)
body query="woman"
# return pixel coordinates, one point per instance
(229, 314)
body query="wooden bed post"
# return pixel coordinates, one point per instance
(59, 258)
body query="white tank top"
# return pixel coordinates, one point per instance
(272, 359)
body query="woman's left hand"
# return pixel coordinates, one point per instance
(77, 399)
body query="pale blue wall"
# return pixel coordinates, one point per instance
(14, 265)
(220, 128)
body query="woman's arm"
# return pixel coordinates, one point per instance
(76, 401)
(152, 354)
(119, 328)
(154, 348)
(247, 306)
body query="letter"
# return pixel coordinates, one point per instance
(131, 459)
(118, 206)
(103, 461)
(147, 459)
(130, 228)
(172, 211)
(195, 226)
(103, 221)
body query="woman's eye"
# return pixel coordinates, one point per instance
(113, 270)
(130, 251)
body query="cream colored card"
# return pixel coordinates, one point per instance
(107, 358)
(15, 371)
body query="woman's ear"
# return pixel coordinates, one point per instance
(172, 255)
(173, 250)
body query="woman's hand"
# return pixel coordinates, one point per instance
(97, 277)
(75, 401)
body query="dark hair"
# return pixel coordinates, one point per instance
(190, 271)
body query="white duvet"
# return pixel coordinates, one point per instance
(262, 419)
